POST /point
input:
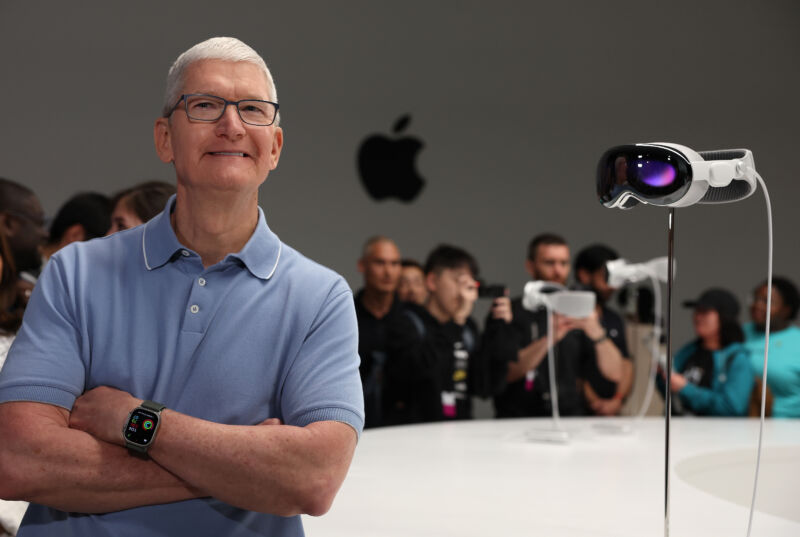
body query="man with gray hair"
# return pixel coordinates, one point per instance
(193, 375)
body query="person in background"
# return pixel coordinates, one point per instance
(22, 225)
(783, 375)
(10, 318)
(712, 375)
(10, 512)
(84, 216)
(135, 206)
(581, 345)
(375, 303)
(437, 358)
(412, 283)
(604, 397)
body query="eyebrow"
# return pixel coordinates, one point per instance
(214, 94)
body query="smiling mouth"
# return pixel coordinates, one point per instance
(229, 154)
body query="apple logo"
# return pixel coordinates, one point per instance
(386, 165)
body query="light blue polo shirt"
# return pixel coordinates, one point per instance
(263, 333)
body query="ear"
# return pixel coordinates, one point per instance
(277, 145)
(583, 276)
(360, 265)
(529, 268)
(431, 281)
(162, 135)
(74, 233)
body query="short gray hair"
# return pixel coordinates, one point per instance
(227, 49)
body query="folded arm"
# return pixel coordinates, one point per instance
(271, 468)
(42, 460)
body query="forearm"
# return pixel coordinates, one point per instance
(609, 360)
(278, 469)
(528, 358)
(44, 461)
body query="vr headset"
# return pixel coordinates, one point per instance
(576, 304)
(672, 175)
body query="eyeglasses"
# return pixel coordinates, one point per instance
(201, 107)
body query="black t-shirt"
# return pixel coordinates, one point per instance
(699, 368)
(433, 369)
(615, 329)
(373, 336)
(573, 356)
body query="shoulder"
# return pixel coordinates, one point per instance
(736, 352)
(122, 247)
(297, 270)
(686, 350)
(611, 317)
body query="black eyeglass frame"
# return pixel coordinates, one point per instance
(184, 97)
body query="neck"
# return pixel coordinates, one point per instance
(438, 313)
(711, 343)
(775, 325)
(378, 303)
(214, 226)
(49, 249)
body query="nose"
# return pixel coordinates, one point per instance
(230, 124)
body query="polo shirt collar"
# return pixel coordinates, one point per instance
(260, 254)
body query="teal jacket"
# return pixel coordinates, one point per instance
(731, 384)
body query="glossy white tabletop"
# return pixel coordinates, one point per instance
(488, 478)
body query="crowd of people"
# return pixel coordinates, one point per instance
(27, 243)
(423, 356)
(252, 350)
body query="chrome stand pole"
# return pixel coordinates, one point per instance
(668, 394)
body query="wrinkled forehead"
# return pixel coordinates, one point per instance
(216, 77)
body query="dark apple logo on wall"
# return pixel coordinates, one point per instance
(387, 164)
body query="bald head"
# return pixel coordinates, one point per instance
(380, 265)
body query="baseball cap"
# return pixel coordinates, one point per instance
(720, 300)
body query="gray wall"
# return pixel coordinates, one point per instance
(515, 102)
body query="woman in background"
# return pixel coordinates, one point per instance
(712, 375)
(783, 374)
(137, 205)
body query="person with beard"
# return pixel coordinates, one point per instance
(783, 375)
(375, 303)
(604, 397)
(581, 345)
(22, 225)
(712, 375)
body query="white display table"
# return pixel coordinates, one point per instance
(484, 479)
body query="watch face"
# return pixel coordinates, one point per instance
(141, 427)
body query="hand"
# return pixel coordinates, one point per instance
(562, 326)
(468, 294)
(102, 412)
(677, 382)
(501, 309)
(590, 325)
(606, 407)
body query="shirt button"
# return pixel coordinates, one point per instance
(201, 282)
(185, 253)
(195, 308)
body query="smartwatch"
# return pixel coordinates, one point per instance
(140, 429)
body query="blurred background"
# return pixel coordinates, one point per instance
(513, 101)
